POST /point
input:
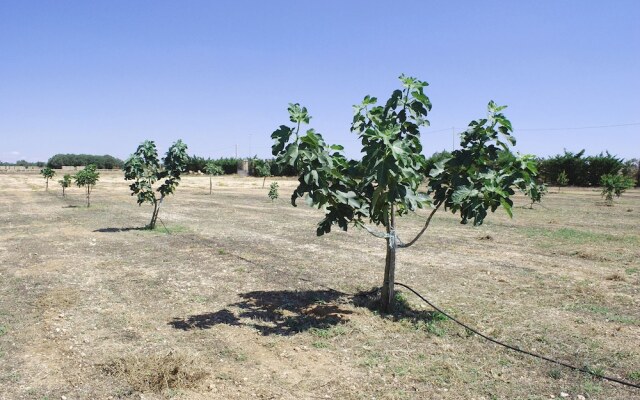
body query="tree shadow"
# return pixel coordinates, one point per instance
(287, 313)
(112, 230)
(70, 206)
(282, 312)
(403, 311)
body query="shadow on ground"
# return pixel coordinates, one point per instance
(276, 312)
(288, 313)
(112, 230)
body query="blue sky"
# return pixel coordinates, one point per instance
(99, 77)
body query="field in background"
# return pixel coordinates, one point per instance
(235, 297)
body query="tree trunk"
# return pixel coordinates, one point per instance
(210, 185)
(263, 181)
(88, 197)
(47, 187)
(63, 192)
(388, 293)
(156, 210)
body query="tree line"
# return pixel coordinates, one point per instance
(23, 163)
(575, 169)
(581, 170)
(76, 160)
(229, 165)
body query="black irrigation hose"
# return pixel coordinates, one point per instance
(585, 370)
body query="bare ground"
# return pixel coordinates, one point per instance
(235, 297)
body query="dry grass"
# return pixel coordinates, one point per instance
(241, 300)
(158, 373)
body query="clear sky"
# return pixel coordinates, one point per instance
(99, 77)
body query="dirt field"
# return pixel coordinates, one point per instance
(241, 300)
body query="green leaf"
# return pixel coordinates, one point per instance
(506, 206)
(292, 153)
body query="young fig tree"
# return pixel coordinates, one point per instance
(385, 183)
(65, 182)
(47, 173)
(261, 168)
(273, 191)
(562, 179)
(614, 185)
(212, 169)
(144, 168)
(87, 178)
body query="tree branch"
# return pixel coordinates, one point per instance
(426, 225)
(375, 233)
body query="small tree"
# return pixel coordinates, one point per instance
(47, 173)
(87, 177)
(143, 167)
(273, 191)
(535, 192)
(385, 183)
(562, 179)
(614, 185)
(212, 169)
(65, 182)
(261, 168)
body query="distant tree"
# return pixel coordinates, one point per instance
(87, 177)
(196, 164)
(65, 182)
(614, 185)
(101, 162)
(211, 169)
(631, 169)
(47, 173)
(562, 180)
(260, 168)
(143, 167)
(535, 191)
(229, 164)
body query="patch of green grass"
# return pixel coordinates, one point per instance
(166, 229)
(328, 333)
(631, 271)
(434, 327)
(3, 330)
(555, 373)
(235, 355)
(634, 375)
(504, 362)
(591, 387)
(400, 370)
(320, 344)
(604, 311)
(595, 370)
(575, 236)
(373, 359)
